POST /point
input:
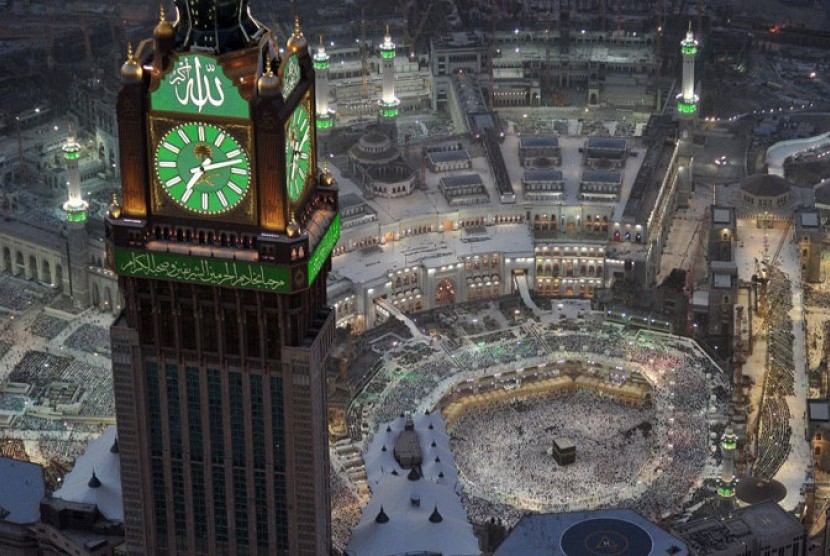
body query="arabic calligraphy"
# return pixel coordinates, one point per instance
(323, 249)
(234, 274)
(198, 89)
(197, 84)
(291, 78)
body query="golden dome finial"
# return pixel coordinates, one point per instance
(268, 83)
(115, 206)
(131, 69)
(164, 29)
(297, 41)
(293, 228)
(326, 178)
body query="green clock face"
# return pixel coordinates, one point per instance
(202, 168)
(297, 152)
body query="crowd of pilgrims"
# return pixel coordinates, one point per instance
(774, 430)
(656, 483)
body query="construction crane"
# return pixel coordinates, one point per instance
(410, 9)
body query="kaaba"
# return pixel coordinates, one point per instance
(564, 451)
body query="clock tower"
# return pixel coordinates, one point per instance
(222, 242)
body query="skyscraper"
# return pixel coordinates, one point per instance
(222, 244)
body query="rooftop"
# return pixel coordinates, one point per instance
(21, 489)
(589, 532)
(538, 141)
(99, 460)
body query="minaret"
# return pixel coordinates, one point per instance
(76, 213)
(325, 115)
(388, 102)
(728, 444)
(687, 100)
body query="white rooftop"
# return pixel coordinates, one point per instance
(408, 514)
(97, 458)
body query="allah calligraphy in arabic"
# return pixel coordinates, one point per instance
(193, 84)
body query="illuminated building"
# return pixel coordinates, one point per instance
(222, 245)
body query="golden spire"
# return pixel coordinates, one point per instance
(131, 70)
(387, 29)
(268, 83)
(115, 206)
(326, 178)
(297, 41)
(293, 228)
(164, 29)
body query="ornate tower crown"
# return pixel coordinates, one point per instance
(217, 26)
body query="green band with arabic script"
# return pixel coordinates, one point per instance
(214, 272)
(324, 248)
(198, 85)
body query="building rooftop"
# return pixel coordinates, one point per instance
(462, 180)
(818, 410)
(21, 489)
(807, 219)
(543, 175)
(621, 532)
(722, 215)
(743, 529)
(601, 176)
(448, 156)
(102, 462)
(607, 143)
(538, 141)
(413, 510)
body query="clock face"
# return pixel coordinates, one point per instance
(202, 168)
(297, 152)
(290, 76)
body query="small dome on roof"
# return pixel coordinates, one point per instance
(765, 185)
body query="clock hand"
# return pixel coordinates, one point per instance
(197, 174)
(216, 166)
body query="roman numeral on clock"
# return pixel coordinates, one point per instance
(235, 188)
(205, 201)
(222, 198)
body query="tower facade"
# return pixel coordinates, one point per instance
(687, 100)
(325, 115)
(222, 243)
(389, 103)
(76, 215)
